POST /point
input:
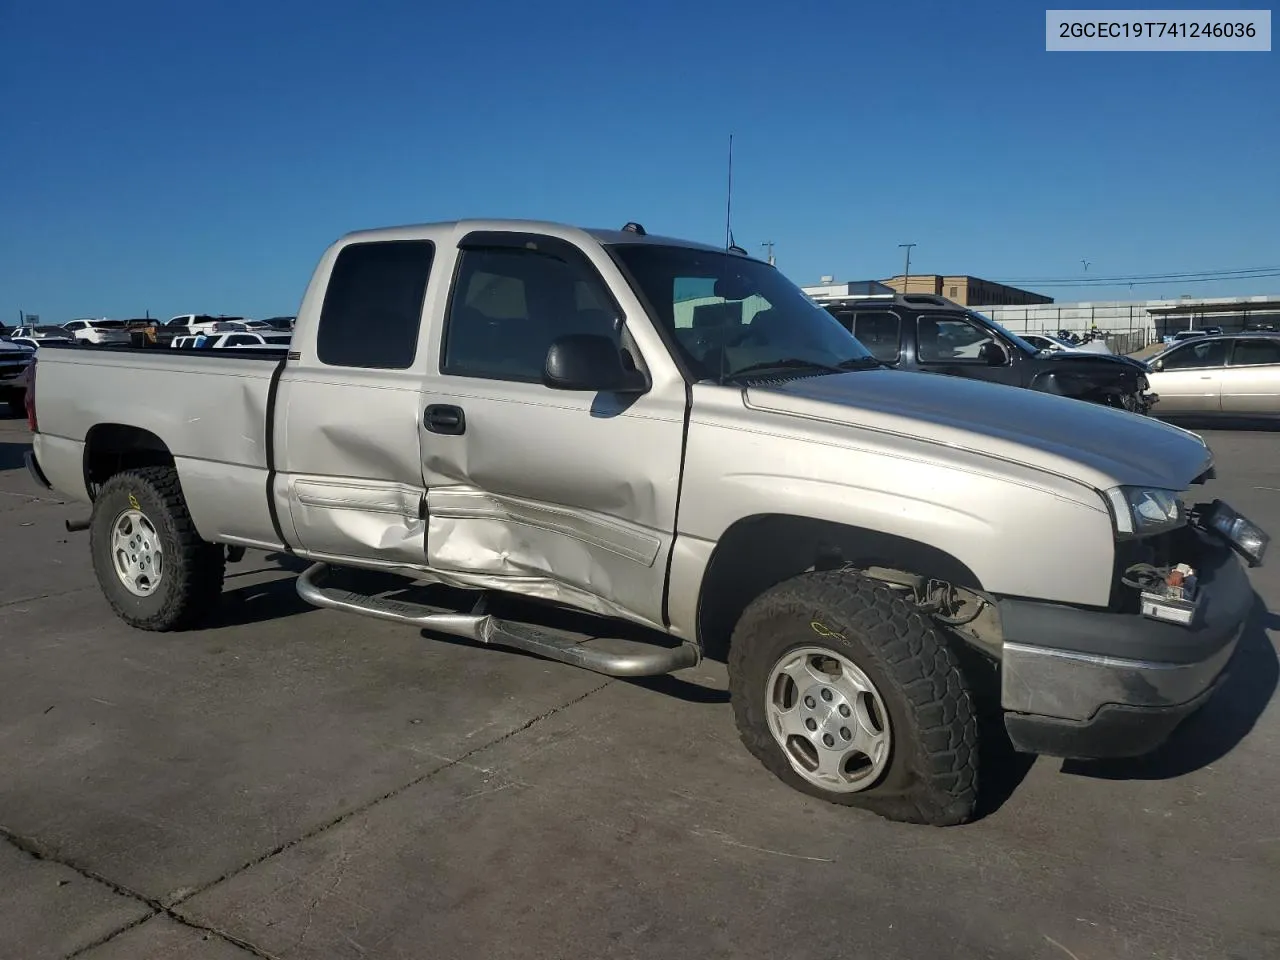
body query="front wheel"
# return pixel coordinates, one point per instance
(153, 567)
(845, 691)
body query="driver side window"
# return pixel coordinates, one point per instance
(950, 339)
(1195, 356)
(509, 304)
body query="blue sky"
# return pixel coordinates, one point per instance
(179, 157)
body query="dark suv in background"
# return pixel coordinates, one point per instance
(931, 334)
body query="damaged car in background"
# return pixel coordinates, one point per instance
(930, 334)
(625, 453)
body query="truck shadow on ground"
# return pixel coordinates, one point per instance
(1001, 768)
(262, 601)
(1216, 729)
(11, 455)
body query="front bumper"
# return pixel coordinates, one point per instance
(1091, 684)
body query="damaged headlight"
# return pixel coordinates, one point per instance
(1143, 511)
(1245, 536)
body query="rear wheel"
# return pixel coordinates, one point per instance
(845, 691)
(153, 567)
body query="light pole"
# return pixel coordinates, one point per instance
(768, 245)
(906, 271)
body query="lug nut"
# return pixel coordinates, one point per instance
(844, 710)
(808, 702)
(810, 725)
(845, 734)
(826, 695)
(828, 740)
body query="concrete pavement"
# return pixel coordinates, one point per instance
(299, 783)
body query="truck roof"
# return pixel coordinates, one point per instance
(443, 229)
(873, 300)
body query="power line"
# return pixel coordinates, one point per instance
(1133, 278)
(1121, 282)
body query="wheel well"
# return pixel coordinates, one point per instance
(111, 448)
(760, 551)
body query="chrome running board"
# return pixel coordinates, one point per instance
(612, 656)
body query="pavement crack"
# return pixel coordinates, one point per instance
(449, 762)
(39, 851)
(93, 945)
(43, 596)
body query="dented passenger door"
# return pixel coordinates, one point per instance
(570, 496)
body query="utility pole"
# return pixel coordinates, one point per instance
(768, 245)
(906, 271)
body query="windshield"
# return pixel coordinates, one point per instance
(108, 324)
(730, 316)
(1009, 335)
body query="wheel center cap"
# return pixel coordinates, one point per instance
(827, 715)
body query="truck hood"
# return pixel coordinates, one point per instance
(1085, 442)
(11, 350)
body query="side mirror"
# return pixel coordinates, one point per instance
(589, 362)
(1158, 365)
(993, 355)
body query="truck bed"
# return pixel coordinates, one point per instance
(210, 408)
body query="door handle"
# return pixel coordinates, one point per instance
(445, 418)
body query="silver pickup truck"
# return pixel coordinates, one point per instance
(626, 452)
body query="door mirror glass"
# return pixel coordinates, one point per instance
(590, 362)
(993, 355)
(1158, 366)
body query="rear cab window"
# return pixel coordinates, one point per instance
(372, 310)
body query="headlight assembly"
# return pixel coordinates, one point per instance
(1245, 537)
(1143, 511)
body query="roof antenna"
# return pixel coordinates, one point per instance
(728, 206)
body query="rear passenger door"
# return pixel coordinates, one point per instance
(1251, 381)
(561, 494)
(347, 440)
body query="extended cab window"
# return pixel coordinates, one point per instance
(1207, 353)
(879, 331)
(946, 338)
(508, 305)
(373, 305)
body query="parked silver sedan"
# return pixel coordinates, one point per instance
(1234, 375)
